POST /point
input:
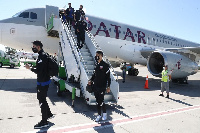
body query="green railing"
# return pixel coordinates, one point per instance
(50, 24)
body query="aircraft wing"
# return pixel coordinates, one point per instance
(192, 53)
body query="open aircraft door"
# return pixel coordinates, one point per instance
(49, 12)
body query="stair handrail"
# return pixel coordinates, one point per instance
(73, 40)
(91, 36)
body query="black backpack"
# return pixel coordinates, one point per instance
(52, 66)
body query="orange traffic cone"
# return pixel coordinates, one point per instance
(146, 83)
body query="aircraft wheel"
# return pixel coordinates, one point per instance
(1, 64)
(136, 72)
(12, 66)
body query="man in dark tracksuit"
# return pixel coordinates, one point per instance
(79, 13)
(43, 81)
(81, 26)
(101, 80)
(69, 15)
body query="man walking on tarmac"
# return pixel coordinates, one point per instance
(166, 76)
(43, 81)
(101, 80)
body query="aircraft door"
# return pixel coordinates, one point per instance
(51, 10)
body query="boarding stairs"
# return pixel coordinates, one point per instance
(80, 64)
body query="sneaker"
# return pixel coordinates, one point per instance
(104, 116)
(161, 95)
(167, 96)
(41, 124)
(98, 118)
(50, 116)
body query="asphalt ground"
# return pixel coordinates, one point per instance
(138, 110)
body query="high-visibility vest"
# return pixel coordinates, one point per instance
(165, 77)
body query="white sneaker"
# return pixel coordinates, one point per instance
(98, 118)
(104, 116)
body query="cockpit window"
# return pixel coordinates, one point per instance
(17, 14)
(24, 15)
(33, 15)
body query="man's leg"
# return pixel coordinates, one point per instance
(78, 40)
(162, 88)
(96, 93)
(45, 110)
(124, 74)
(102, 104)
(167, 89)
(97, 96)
(41, 96)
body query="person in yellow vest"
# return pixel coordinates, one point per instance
(166, 77)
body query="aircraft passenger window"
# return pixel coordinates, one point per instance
(24, 15)
(33, 15)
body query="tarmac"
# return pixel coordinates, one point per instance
(138, 110)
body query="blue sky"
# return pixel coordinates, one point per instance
(179, 18)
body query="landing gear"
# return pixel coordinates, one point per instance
(12, 66)
(180, 80)
(133, 72)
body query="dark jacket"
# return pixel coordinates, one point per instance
(78, 14)
(41, 67)
(69, 12)
(81, 26)
(101, 76)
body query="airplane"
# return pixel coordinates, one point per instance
(120, 42)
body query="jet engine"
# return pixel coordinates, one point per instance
(179, 65)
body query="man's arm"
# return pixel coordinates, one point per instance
(108, 78)
(92, 78)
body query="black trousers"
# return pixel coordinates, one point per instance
(41, 96)
(69, 21)
(80, 38)
(99, 95)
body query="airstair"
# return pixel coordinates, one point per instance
(79, 65)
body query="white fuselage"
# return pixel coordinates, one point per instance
(120, 42)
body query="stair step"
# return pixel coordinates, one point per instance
(85, 53)
(87, 58)
(84, 46)
(90, 67)
(89, 76)
(88, 62)
(89, 71)
(84, 50)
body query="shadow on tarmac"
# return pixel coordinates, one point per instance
(136, 83)
(132, 84)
